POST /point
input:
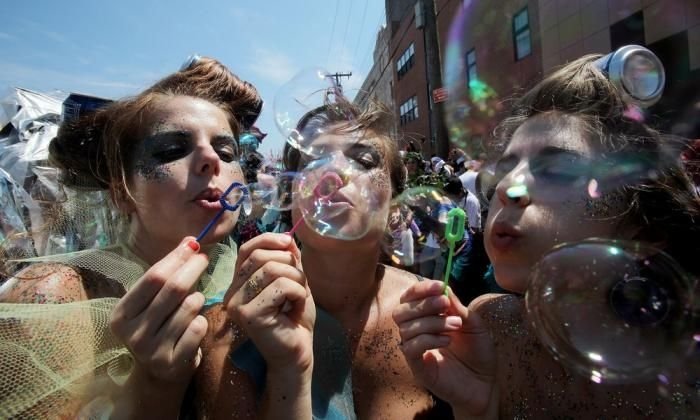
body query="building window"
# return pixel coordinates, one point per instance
(521, 35)
(471, 66)
(405, 62)
(409, 110)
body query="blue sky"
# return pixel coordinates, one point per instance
(116, 48)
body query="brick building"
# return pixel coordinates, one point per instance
(507, 45)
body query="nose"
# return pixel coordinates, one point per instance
(514, 188)
(209, 162)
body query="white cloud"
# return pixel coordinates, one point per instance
(14, 74)
(272, 66)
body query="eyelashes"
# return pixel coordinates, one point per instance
(228, 152)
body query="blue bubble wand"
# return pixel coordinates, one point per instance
(454, 231)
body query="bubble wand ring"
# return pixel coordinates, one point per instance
(225, 205)
(454, 231)
(337, 182)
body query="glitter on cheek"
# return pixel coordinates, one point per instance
(607, 206)
(153, 171)
(379, 180)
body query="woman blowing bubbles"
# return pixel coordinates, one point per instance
(485, 360)
(319, 343)
(165, 156)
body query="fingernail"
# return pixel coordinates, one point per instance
(194, 245)
(453, 322)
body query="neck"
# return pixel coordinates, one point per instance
(343, 283)
(143, 247)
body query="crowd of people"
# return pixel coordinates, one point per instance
(323, 323)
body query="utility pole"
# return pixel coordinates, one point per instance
(336, 76)
(438, 130)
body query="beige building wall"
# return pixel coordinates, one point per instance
(572, 28)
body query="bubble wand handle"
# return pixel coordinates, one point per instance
(296, 226)
(454, 231)
(211, 224)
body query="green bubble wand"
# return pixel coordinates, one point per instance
(454, 231)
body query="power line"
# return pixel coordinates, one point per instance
(359, 35)
(347, 26)
(371, 47)
(330, 39)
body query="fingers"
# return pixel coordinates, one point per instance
(141, 295)
(414, 349)
(179, 321)
(256, 260)
(187, 348)
(265, 276)
(174, 292)
(270, 300)
(266, 241)
(434, 325)
(262, 279)
(432, 305)
(422, 290)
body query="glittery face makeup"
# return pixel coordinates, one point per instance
(542, 198)
(186, 152)
(166, 145)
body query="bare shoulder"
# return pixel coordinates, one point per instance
(399, 278)
(44, 283)
(489, 301)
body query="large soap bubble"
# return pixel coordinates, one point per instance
(615, 312)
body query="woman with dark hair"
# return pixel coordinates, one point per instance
(486, 359)
(165, 156)
(332, 353)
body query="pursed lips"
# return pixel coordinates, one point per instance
(504, 236)
(209, 199)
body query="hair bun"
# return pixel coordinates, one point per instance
(77, 152)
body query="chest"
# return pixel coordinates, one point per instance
(383, 386)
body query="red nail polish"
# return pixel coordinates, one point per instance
(194, 245)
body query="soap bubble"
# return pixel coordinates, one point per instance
(615, 312)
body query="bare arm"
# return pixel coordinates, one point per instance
(26, 331)
(44, 283)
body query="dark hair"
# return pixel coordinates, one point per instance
(453, 186)
(664, 204)
(376, 119)
(95, 150)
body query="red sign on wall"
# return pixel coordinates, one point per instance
(439, 95)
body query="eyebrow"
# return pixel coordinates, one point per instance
(225, 137)
(363, 146)
(547, 151)
(159, 135)
(554, 150)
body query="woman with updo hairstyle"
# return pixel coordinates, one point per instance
(165, 156)
(322, 345)
(486, 360)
